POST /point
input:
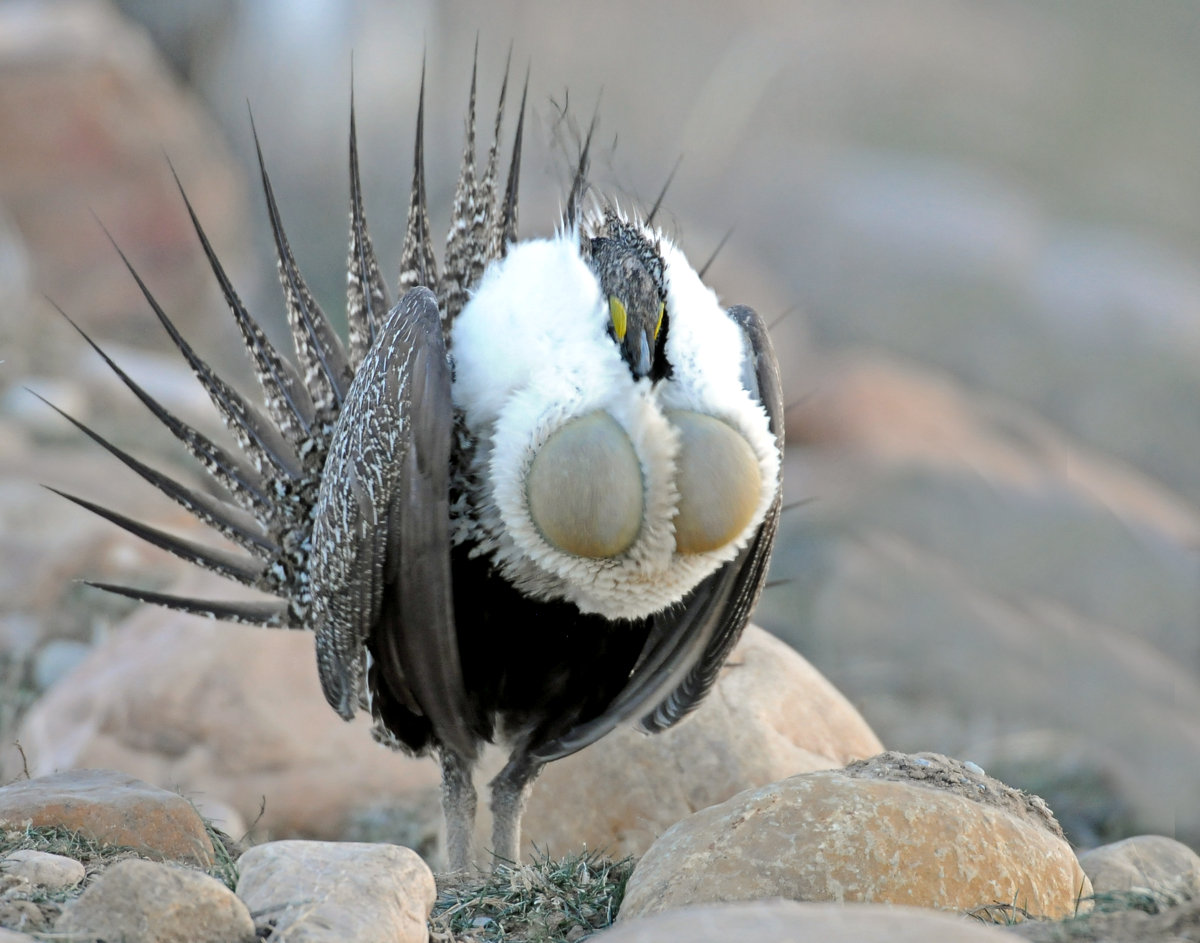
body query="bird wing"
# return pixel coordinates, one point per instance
(380, 559)
(688, 643)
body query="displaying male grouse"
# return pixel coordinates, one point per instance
(532, 500)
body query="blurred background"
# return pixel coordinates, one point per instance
(976, 226)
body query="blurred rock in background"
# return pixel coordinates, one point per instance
(982, 217)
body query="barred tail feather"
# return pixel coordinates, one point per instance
(417, 263)
(288, 402)
(327, 371)
(267, 614)
(223, 517)
(242, 482)
(255, 434)
(504, 231)
(458, 263)
(244, 570)
(366, 293)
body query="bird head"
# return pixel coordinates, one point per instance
(628, 263)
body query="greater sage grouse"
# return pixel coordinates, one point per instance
(532, 500)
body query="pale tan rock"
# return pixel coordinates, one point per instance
(111, 808)
(227, 712)
(53, 872)
(140, 901)
(786, 921)
(920, 831)
(1162, 866)
(770, 715)
(331, 892)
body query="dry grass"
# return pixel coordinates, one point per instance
(548, 901)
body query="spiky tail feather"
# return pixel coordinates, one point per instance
(269, 491)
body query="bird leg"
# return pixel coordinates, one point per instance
(458, 807)
(510, 792)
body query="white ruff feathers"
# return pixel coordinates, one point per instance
(532, 352)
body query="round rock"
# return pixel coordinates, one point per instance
(1168, 869)
(140, 901)
(923, 831)
(53, 872)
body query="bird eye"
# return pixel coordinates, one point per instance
(662, 309)
(616, 311)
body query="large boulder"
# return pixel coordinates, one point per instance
(87, 109)
(922, 831)
(112, 809)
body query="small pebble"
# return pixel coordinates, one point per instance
(53, 872)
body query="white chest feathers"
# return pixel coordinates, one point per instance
(618, 495)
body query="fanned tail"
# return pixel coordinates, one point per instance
(264, 493)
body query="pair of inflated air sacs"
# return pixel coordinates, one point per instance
(616, 493)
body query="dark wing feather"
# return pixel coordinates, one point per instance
(381, 538)
(689, 643)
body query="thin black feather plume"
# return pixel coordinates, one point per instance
(230, 521)
(266, 614)
(242, 482)
(232, 566)
(662, 194)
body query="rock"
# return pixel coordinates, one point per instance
(1167, 869)
(786, 921)
(313, 892)
(21, 914)
(53, 872)
(139, 901)
(111, 808)
(771, 715)
(1177, 923)
(228, 712)
(920, 830)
